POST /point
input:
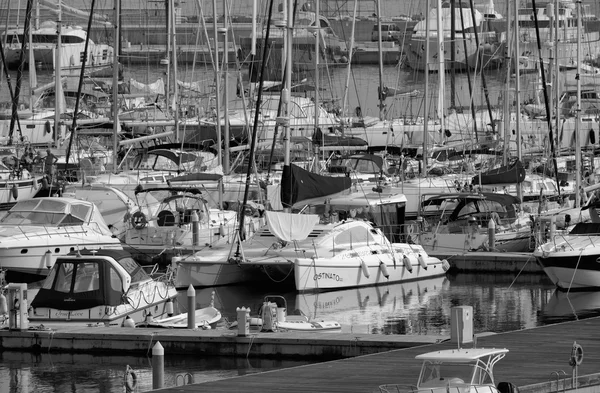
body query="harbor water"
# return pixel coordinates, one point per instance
(501, 302)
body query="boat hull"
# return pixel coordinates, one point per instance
(33, 260)
(150, 299)
(572, 270)
(204, 273)
(447, 244)
(364, 269)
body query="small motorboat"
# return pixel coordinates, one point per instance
(274, 317)
(204, 318)
(101, 287)
(458, 370)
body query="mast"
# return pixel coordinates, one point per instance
(545, 90)
(217, 86)
(506, 103)
(58, 92)
(441, 67)
(287, 89)
(453, 54)
(466, 50)
(225, 31)
(557, 65)
(517, 95)
(578, 112)
(426, 103)
(80, 86)
(175, 99)
(115, 86)
(242, 234)
(317, 52)
(167, 61)
(15, 99)
(483, 79)
(350, 50)
(379, 45)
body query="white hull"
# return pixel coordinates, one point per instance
(571, 261)
(459, 243)
(366, 268)
(25, 189)
(32, 259)
(569, 278)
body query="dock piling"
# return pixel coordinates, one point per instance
(158, 366)
(191, 316)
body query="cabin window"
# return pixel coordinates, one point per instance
(441, 374)
(64, 277)
(468, 209)
(87, 277)
(116, 285)
(354, 235)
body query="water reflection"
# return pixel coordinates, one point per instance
(500, 303)
(564, 306)
(28, 373)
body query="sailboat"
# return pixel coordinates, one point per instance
(571, 260)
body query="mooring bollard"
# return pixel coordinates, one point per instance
(492, 234)
(191, 295)
(243, 320)
(158, 366)
(195, 228)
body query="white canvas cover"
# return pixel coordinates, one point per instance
(290, 227)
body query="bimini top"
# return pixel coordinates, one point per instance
(461, 355)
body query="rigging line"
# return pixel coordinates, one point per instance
(80, 85)
(545, 90)
(255, 125)
(462, 22)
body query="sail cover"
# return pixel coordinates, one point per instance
(298, 184)
(507, 174)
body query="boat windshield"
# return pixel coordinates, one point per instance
(44, 212)
(134, 269)
(443, 374)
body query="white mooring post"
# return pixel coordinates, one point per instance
(191, 295)
(158, 366)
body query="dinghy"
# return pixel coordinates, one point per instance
(205, 318)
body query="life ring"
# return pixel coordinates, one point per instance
(130, 383)
(138, 220)
(576, 355)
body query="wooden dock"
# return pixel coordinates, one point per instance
(535, 356)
